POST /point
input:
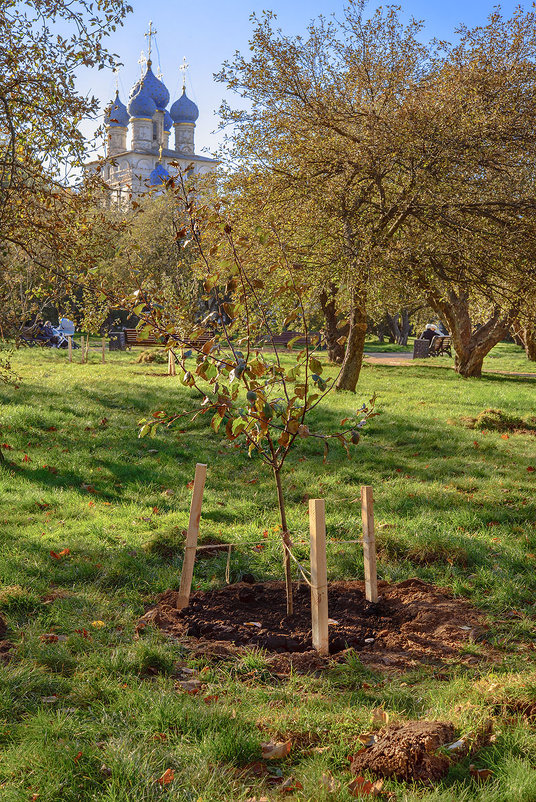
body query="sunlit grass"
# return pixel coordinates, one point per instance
(454, 506)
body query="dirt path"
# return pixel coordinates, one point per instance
(395, 360)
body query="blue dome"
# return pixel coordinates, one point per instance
(168, 121)
(142, 104)
(159, 176)
(184, 110)
(155, 88)
(117, 115)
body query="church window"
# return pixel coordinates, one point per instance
(155, 131)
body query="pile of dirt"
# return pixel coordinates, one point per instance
(413, 622)
(496, 420)
(159, 356)
(408, 752)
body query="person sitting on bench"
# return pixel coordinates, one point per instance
(429, 332)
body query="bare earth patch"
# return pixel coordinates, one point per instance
(412, 623)
(408, 752)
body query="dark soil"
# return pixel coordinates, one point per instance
(408, 752)
(413, 622)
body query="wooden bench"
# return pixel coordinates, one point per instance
(441, 345)
(131, 339)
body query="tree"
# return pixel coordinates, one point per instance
(251, 397)
(40, 112)
(392, 139)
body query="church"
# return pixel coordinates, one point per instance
(140, 156)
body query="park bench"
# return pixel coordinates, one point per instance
(441, 345)
(131, 339)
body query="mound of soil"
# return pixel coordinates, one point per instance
(413, 622)
(407, 752)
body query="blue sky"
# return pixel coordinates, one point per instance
(207, 32)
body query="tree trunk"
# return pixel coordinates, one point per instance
(332, 333)
(353, 357)
(286, 540)
(392, 322)
(470, 346)
(530, 343)
(404, 326)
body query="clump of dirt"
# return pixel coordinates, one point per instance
(499, 421)
(413, 622)
(5, 651)
(408, 752)
(156, 355)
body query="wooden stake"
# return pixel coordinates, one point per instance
(87, 348)
(369, 544)
(319, 575)
(104, 350)
(172, 371)
(83, 353)
(70, 346)
(191, 536)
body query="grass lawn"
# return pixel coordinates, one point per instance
(97, 715)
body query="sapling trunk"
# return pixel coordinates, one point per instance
(286, 540)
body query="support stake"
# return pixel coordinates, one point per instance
(191, 536)
(172, 370)
(319, 576)
(104, 350)
(70, 346)
(369, 544)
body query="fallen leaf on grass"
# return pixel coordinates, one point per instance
(88, 488)
(362, 787)
(167, 777)
(531, 468)
(189, 685)
(49, 637)
(58, 555)
(190, 484)
(480, 775)
(78, 756)
(98, 624)
(289, 785)
(379, 716)
(367, 738)
(212, 698)
(259, 799)
(160, 736)
(329, 782)
(273, 750)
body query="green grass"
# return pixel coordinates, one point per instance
(78, 717)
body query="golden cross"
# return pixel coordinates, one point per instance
(142, 60)
(184, 66)
(151, 32)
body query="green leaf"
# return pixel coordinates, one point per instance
(144, 430)
(216, 421)
(315, 365)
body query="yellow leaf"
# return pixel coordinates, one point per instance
(275, 750)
